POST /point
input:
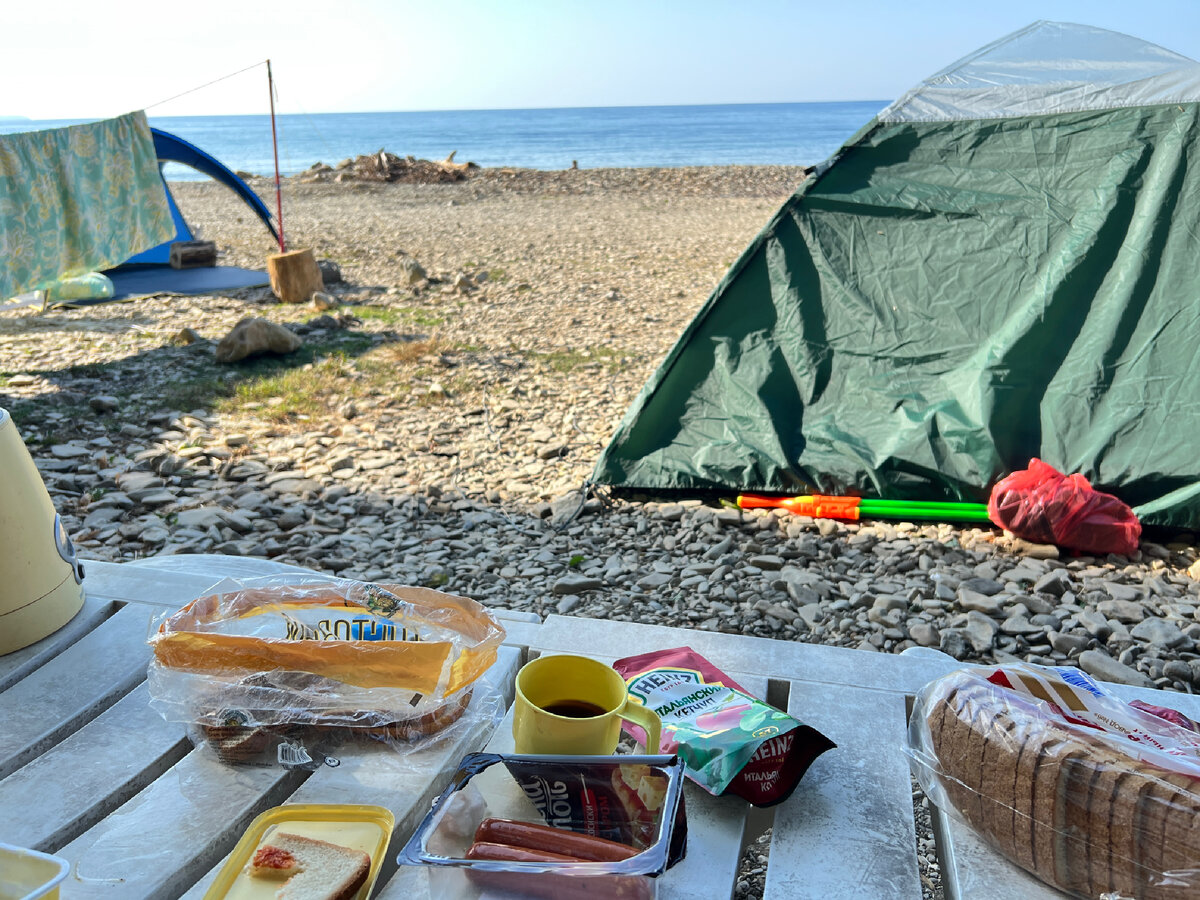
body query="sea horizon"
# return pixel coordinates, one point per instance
(651, 136)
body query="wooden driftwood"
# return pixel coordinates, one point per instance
(193, 254)
(384, 166)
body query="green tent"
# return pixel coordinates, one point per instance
(1004, 263)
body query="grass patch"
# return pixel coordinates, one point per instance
(400, 315)
(243, 382)
(406, 353)
(196, 392)
(295, 392)
(86, 370)
(311, 382)
(570, 360)
(310, 390)
(453, 389)
(28, 417)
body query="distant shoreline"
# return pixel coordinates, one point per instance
(775, 134)
(518, 174)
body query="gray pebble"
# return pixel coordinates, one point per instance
(1069, 644)
(1159, 632)
(955, 643)
(577, 584)
(1102, 666)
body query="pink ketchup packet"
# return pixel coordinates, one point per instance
(730, 742)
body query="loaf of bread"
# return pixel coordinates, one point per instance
(236, 744)
(431, 719)
(325, 730)
(1063, 800)
(315, 870)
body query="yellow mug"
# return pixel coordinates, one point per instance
(574, 705)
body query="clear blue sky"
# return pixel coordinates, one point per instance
(84, 59)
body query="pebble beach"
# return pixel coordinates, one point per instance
(450, 399)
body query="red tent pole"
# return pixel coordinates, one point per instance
(275, 147)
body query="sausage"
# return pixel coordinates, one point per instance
(582, 847)
(550, 886)
(487, 850)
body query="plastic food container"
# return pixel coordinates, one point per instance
(30, 875)
(365, 828)
(633, 804)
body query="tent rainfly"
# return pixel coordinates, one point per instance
(169, 148)
(1003, 264)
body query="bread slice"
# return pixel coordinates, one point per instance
(998, 773)
(1072, 846)
(234, 744)
(961, 753)
(1128, 843)
(1022, 825)
(1112, 772)
(971, 710)
(1178, 846)
(942, 722)
(1048, 809)
(327, 871)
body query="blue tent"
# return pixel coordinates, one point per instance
(173, 149)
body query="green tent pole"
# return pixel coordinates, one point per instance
(899, 509)
(853, 508)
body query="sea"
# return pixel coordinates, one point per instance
(788, 134)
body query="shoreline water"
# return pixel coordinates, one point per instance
(547, 139)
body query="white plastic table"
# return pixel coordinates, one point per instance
(89, 772)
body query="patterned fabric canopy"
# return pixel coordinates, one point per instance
(78, 199)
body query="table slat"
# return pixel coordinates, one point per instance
(16, 665)
(110, 759)
(63, 694)
(146, 585)
(173, 832)
(848, 829)
(787, 660)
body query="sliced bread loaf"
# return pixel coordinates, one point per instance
(1060, 800)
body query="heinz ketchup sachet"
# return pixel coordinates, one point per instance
(729, 741)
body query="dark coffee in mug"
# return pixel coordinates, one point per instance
(575, 709)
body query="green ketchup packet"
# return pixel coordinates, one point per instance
(730, 742)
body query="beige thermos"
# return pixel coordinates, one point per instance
(41, 581)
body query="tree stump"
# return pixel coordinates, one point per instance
(294, 275)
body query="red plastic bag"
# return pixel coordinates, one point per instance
(1043, 505)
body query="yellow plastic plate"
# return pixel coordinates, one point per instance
(27, 874)
(365, 828)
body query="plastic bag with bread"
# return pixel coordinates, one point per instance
(269, 660)
(1091, 794)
